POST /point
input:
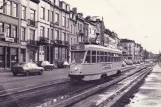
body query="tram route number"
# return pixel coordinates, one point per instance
(106, 66)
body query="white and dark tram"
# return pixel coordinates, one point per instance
(92, 62)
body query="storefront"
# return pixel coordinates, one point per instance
(2, 57)
(8, 57)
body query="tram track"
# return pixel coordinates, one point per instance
(30, 97)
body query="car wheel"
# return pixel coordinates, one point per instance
(52, 68)
(27, 73)
(14, 74)
(41, 72)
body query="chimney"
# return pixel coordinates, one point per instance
(74, 10)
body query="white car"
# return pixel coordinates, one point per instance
(66, 64)
(46, 65)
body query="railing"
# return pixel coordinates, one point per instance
(57, 42)
(44, 40)
(32, 43)
(32, 23)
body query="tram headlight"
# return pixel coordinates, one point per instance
(76, 69)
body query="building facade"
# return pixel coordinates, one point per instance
(9, 33)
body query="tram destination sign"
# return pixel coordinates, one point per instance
(78, 47)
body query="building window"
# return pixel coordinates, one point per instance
(42, 31)
(52, 18)
(42, 13)
(23, 12)
(71, 41)
(8, 7)
(56, 18)
(48, 16)
(1, 27)
(71, 28)
(56, 53)
(32, 34)
(32, 14)
(52, 34)
(15, 10)
(8, 30)
(56, 35)
(68, 22)
(14, 31)
(48, 33)
(63, 36)
(22, 34)
(63, 53)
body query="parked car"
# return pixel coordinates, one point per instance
(66, 64)
(46, 65)
(135, 62)
(26, 68)
(129, 62)
(123, 64)
(60, 64)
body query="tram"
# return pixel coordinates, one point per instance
(92, 62)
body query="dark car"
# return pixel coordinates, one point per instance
(60, 64)
(26, 68)
(46, 65)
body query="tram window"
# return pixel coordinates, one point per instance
(93, 52)
(114, 59)
(93, 59)
(93, 56)
(106, 58)
(88, 59)
(98, 56)
(101, 56)
(109, 59)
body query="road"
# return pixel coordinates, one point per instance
(8, 81)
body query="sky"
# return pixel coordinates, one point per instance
(139, 20)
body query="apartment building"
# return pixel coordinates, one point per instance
(130, 46)
(29, 30)
(61, 12)
(80, 28)
(73, 30)
(9, 33)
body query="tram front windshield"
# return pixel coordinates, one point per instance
(77, 56)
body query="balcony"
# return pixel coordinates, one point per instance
(32, 23)
(36, 1)
(65, 43)
(32, 43)
(44, 41)
(81, 33)
(56, 42)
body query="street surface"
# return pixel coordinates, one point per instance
(149, 94)
(8, 81)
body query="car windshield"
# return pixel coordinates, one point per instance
(20, 64)
(77, 56)
(45, 63)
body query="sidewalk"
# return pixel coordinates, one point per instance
(149, 94)
(3, 70)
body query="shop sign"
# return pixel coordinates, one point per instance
(78, 47)
(9, 39)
